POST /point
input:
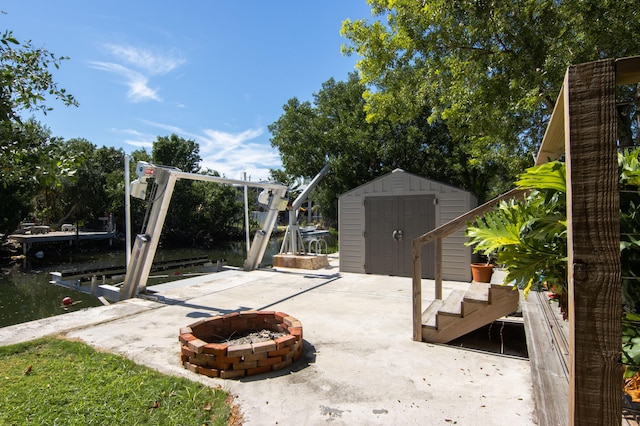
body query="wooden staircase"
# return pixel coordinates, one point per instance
(465, 311)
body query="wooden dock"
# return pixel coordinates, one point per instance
(92, 280)
(28, 240)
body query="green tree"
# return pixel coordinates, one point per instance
(25, 79)
(177, 152)
(334, 128)
(98, 186)
(219, 215)
(200, 212)
(490, 69)
(184, 154)
(25, 85)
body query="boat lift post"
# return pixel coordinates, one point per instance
(292, 242)
(146, 243)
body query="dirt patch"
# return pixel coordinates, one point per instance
(252, 337)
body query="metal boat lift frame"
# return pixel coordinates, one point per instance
(146, 243)
(292, 242)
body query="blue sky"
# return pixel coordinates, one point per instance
(217, 72)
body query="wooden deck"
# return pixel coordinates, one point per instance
(29, 240)
(548, 345)
(58, 236)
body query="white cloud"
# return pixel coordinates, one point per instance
(230, 154)
(139, 90)
(143, 59)
(140, 64)
(140, 144)
(136, 138)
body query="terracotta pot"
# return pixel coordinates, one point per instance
(481, 272)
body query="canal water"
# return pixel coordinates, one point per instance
(27, 295)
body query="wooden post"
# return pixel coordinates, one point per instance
(416, 249)
(595, 373)
(438, 268)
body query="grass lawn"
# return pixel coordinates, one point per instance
(55, 381)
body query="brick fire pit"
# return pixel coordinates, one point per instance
(206, 349)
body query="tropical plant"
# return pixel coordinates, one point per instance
(529, 237)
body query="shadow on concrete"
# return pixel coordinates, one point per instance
(307, 358)
(331, 278)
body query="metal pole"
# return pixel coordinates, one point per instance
(246, 215)
(127, 210)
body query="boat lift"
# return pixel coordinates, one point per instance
(274, 195)
(292, 242)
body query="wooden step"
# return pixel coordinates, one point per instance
(429, 315)
(478, 292)
(499, 292)
(476, 298)
(474, 314)
(453, 304)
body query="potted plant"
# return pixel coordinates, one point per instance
(482, 271)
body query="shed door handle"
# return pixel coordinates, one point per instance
(397, 234)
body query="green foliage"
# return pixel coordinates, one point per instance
(54, 381)
(334, 128)
(529, 236)
(629, 165)
(25, 78)
(490, 70)
(177, 152)
(99, 184)
(31, 164)
(483, 65)
(36, 166)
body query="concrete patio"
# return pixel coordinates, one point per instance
(359, 364)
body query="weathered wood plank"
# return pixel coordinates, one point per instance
(593, 244)
(453, 304)
(416, 290)
(477, 292)
(438, 267)
(429, 315)
(549, 372)
(628, 70)
(552, 146)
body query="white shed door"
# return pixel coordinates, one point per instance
(391, 223)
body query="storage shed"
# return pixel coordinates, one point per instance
(378, 221)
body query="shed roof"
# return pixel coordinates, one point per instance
(399, 173)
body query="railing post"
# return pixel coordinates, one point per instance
(417, 291)
(593, 245)
(438, 268)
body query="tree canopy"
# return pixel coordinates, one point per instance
(490, 69)
(31, 165)
(334, 128)
(25, 78)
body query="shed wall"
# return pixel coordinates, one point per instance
(451, 203)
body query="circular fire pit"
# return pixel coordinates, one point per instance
(274, 341)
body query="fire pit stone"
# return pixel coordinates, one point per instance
(241, 344)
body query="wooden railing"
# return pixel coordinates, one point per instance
(436, 235)
(583, 127)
